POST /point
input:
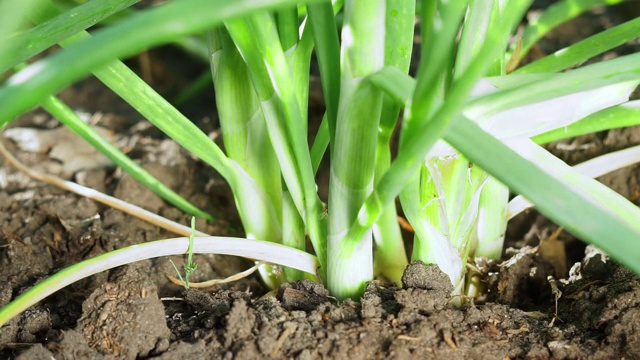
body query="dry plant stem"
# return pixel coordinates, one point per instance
(261, 250)
(100, 197)
(214, 282)
(126, 208)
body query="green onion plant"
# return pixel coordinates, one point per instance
(470, 131)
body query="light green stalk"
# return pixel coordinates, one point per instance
(455, 199)
(353, 156)
(298, 55)
(293, 233)
(450, 189)
(325, 34)
(390, 258)
(440, 27)
(244, 133)
(488, 236)
(257, 40)
(449, 234)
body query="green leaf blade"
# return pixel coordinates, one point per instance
(604, 218)
(585, 49)
(152, 27)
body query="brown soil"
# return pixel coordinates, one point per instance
(135, 312)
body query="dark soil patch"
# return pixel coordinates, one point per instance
(135, 312)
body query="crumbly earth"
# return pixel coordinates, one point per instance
(597, 317)
(547, 299)
(134, 312)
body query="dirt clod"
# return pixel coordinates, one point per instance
(72, 345)
(5, 293)
(125, 317)
(427, 277)
(302, 295)
(33, 322)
